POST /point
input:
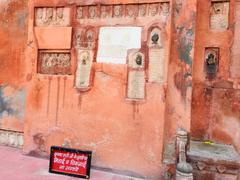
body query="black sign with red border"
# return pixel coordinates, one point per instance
(70, 162)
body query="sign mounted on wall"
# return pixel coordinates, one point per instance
(70, 162)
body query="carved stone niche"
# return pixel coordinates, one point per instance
(165, 8)
(118, 11)
(84, 67)
(49, 16)
(136, 60)
(106, 11)
(54, 63)
(153, 9)
(82, 12)
(219, 18)
(155, 39)
(211, 61)
(142, 10)
(132, 11)
(92, 12)
(136, 76)
(157, 57)
(85, 38)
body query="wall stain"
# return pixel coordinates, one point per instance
(49, 91)
(13, 104)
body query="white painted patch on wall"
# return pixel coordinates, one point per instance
(114, 42)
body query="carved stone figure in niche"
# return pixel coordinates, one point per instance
(105, 11)
(54, 63)
(153, 9)
(219, 15)
(92, 12)
(117, 11)
(142, 10)
(155, 38)
(211, 61)
(132, 11)
(80, 12)
(165, 9)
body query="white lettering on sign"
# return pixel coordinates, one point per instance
(114, 42)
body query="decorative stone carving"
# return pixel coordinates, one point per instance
(84, 66)
(142, 10)
(80, 12)
(155, 38)
(79, 38)
(165, 8)
(136, 84)
(136, 60)
(156, 67)
(211, 61)
(85, 38)
(184, 169)
(54, 63)
(106, 11)
(153, 9)
(117, 11)
(92, 10)
(52, 16)
(11, 138)
(132, 11)
(90, 39)
(219, 15)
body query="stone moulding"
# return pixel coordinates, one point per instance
(11, 138)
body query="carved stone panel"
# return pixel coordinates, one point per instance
(136, 85)
(156, 67)
(120, 11)
(84, 66)
(211, 61)
(153, 9)
(132, 11)
(117, 11)
(136, 60)
(106, 11)
(54, 62)
(85, 38)
(92, 12)
(50, 16)
(219, 15)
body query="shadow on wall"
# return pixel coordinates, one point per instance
(12, 102)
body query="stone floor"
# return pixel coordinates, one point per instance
(14, 166)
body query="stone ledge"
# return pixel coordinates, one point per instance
(11, 138)
(214, 157)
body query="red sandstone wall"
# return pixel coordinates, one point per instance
(216, 100)
(123, 134)
(13, 35)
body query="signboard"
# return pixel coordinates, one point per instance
(70, 162)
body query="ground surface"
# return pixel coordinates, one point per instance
(14, 166)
